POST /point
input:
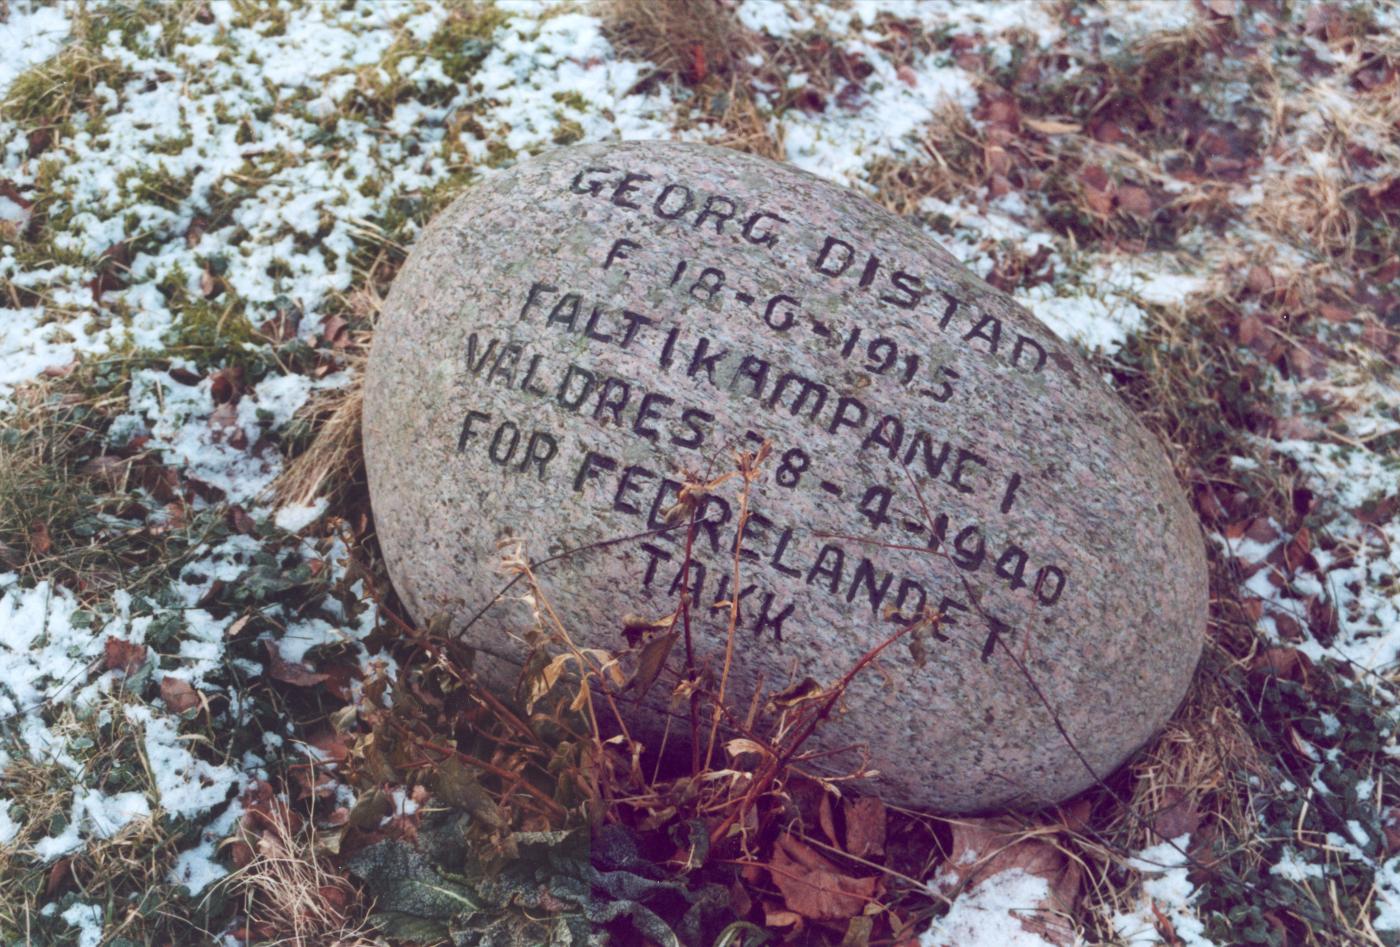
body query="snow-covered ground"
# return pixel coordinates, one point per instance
(351, 113)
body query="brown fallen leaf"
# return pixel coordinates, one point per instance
(1176, 816)
(1390, 825)
(651, 661)
(983, 848)
(60, 877)
(333, 327)
(178, 695)
(227, 384)
(40, 542)
(1287, 663)
(815, 888)
(865, 826)
(291, 672)
(1250, 329)
(1100, 202)
(124, 656)
(826, 819)
(1134, 200)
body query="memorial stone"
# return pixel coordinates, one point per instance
(577, 332)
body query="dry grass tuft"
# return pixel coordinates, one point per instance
(128, 867)
(333, 460)
(688, 39)
(702, 44)
(288, 892)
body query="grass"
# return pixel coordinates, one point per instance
(1153, 164)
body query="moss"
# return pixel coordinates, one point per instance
(573, 100)
(156, 186)
(212, 326)
(499, 154)
(48, 93)
(568, 132)
(464, 40)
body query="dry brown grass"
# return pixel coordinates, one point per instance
(125, 868)
(288, 892)
(688, 39)
(333, 460)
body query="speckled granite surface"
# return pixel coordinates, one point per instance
(571, 333)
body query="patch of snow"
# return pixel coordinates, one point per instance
(33, 33)
(187, 786)
(9, 828)
(108, 815)
(774, 17)
(87, 918)
(990, 913)
(295, 517)
(30, 343)
(197, 868)
(535, 62)
(1133, 20)
(1388, 896)
(881, 116)
(1166, 892)
(1292, 865)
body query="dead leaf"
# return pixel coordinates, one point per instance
(1259, 279)
(239, 519)
(1299, 549)
(333, 327)
(651, 661)
(59, 877)
(1100, 202)
(178, 695)
(1287, 663)
(291, 672)
(1177, 816)
(1135, 200)
(1094, 176)
(986, 847)
(227, 385)
(698, 69)
(741, 745)
(40, 542)
(1250, 329)
(1390, 825)
(124, 656)
(826, 819)
(195, 232)
(804, 690)
(813, 887)
(782, 919)
(865, 826)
